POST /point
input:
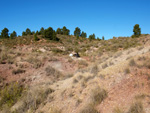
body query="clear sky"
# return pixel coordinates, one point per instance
(106, 18)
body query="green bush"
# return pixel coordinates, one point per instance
(33, 98)
(10, 94)
(36, 38)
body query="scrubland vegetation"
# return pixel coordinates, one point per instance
(37, 75)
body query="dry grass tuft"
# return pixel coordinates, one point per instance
(5, 57)
(98, 95)
(50, 71)
(35, 62)
(141, 96)
(94, 70)
(89, 109)
(33, 98)
(132, 62)
(127, 71)
(136, 107)
(75, 80)
(117, 110)
(18, 71)
(82, 63)
(54, 110)
(10, 94)
(104, 65)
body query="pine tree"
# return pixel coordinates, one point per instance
(92, 37)
(13, 34)
(65, 31)
(77, 32)
(83, 34)
(103, 38)
(4, 33)
(28, 31)
(24, 33)
(50, 34)
(59, 31)
(36, 38)
(41, 31)
(137, 30)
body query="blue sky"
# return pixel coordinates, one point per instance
(106, 18)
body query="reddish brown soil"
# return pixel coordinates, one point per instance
(122, 95)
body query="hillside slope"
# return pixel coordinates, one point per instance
(111, 76)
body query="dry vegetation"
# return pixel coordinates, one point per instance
(111, 76)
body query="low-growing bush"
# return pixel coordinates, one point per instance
(104, 65)
(33, 98)
(4, 57)
(136, 107)
(36, 63)
(89, 109)
(127, 71)
(98, 95)
(18, 71)
(50, 71)
(94, 69)
(132, 62)
(140, 48)
(83, 63)
(118, 54)
(56, 50)
(86, 79)
(75, 80)
(117, 110)
(146, 64)
(10, 94)
(54, 110)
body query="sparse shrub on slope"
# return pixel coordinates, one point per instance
(36, 63)
(137, 107)
(32, 98)
(50, 71)
(54, 110)
(89, 109)
(57, 51)
(94, 69)
(98, 95)
(127, 71)
(5, 57)
(132, 62)
(18, 71)
(105, 65)
(117, 110)
(82, 63)
(10, 94)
